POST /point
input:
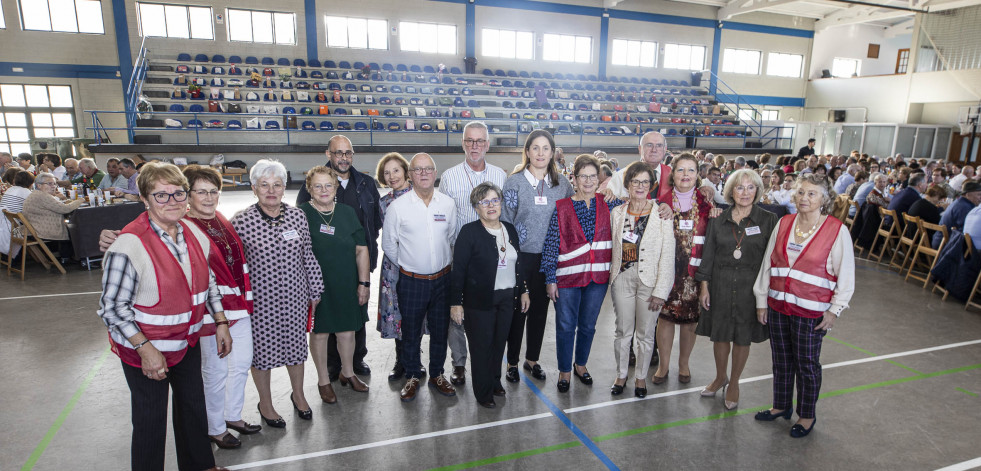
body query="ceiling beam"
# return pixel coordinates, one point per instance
(899, 28)
(856, 15)
(934, 5)
(740, 7)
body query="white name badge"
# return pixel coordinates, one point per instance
(795, 247)
(686, 224)
(752, 230)
(290, 234)
(630, 237)
(439, 217)
(541, 200)
(325, 229)
(502, 264)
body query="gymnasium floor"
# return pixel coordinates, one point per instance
(902, 378)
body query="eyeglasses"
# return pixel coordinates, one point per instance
(490, 202)
(275, 187)
(47, 184)
(324, 187)
(472, 142)
(640, 183)
(588, 177)
(207, 193)
(347, 154)
(421, 170)
(651, 145)
(163, 198)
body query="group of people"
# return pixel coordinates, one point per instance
(194, 301)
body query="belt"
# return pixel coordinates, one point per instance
(417, 276)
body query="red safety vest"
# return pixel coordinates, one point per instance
(579, 260)
(701, 225)
(172, 325)
(235, 299)
(663, 185)
(805, 289)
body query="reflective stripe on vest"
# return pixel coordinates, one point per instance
(581, 261)
(804, 303)
(805, 289)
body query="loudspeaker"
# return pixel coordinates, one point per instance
(696, 79)
(825, 73)
(839, 116)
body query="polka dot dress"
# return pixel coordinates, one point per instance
(285, 276)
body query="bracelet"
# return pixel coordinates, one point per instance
(225, 322)
(144, 342)
(366, 284)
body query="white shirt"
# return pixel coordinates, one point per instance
(534, 181)
(59, 172)
(957, 181)
(783, 198)
(458, 182)
(417, 237)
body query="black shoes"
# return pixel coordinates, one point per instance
(563, 385)
(798, 430)
(640, 392)
(304, 414)
(274, 423)
(489, 404)
(512, 374)
(499, 391)
(398, 372)
(616, 389)
(536, 371)
(585, 378)
(767, 416)
(361, 369)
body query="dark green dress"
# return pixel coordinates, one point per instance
(733, 314)
(338, 310)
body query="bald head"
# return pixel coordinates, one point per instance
(340, 152)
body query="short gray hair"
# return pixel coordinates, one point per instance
(481, 190)
(822, 182)
(877, 175)
(736, 179)
(740, 160)
(41, 176)
(88, 163)
(476, 125)
(266, 168)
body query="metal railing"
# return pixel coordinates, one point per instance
(727, 98)
(135, 88)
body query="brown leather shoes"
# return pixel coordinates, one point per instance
(408, 392)
(459, 376)
(442, 386)
(226, 442)
(246, 429)
(355, 383)
(327, 393)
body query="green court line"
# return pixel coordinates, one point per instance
(965, 391)
(708, 418)
(842, 342)
(32, 460)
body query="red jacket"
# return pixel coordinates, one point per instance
(235, 299)
(806, 288)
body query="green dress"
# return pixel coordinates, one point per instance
(338, 310)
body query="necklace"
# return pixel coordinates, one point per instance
(689, 235)
(273, 221)
(219, 234)
(329, 230)
(738, 253)
(504, 237)
(801, 235)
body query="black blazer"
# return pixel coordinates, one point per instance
(475, 258)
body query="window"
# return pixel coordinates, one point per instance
(784, 65)
(359, 33)
(902, 60)
(684, 56)
(747, 115)
(507, 44)
(770, 115)
(266, 27)
(175, 21)
(34, 111)
(845, 67)
(64, 16)
(562, 48)
(741, 61)
(634, 53)
(427, 37)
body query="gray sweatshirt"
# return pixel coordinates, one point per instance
(530, 219)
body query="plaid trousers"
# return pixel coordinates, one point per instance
(424, 301)
(796, 350)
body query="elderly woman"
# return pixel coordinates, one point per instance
(689, 213)
(45, 208)
(733, 252)
(641, 272)
(576, 261)
(393, 172)
(530, 194)
(156, 289)
(287, 283)
(487, 249)
(341, 249)
(806, 281)
(878, 196)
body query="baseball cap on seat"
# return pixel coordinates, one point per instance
(308, 125)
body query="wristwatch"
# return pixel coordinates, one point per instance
(366, 284)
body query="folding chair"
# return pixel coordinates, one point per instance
(22, 233)
(890, 235)
(929, 253)
(968, 253)
(906, 244)
(850, 220)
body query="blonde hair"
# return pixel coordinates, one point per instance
(736, 179)
(152, 172)
(321, 170)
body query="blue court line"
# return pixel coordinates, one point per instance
(571, 426)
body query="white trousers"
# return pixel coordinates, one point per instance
(634, 321)
(225, 378)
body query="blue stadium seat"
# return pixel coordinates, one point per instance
(195, 123)
(299, 63)
(235, 59)
(614, 79)
(326, 126)
(634, 80)
(429, 69)
(184, 57)
(488, 72)
(330, 64)
(177, 108)
(201, 58)
(555, 85)
(512, 73)
(387, 67)
(591, 78)
(500, 73)
(455, 70)
(251, 60)
(218, 59)
(196, 108)
(402, 68)
(343, 126)
(308, 126)
(536, 75)
(282, 61)
(567, 76)
(523, 74)
(358, 65)
(684, 83)
(393, 126)
(674, 83)
(473, 103)
(272, 124)
(415, 68)
(547, 75)
(447, 80)
(645, 81)
(567, 86)
(360, 126)
(234, 124)
(374, 66)
(268, 61)
(340, 111)
(314, 63)
(578, 86)
(665, 82)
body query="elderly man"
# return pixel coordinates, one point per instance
(6, 161)
(116, 179)
(847, 178)
(739, 163)
(955, 215)
(652, 148)
(358, 191)
(909, 195)
(419, 234)
(128, 169)
(457, 182)
(958, 180)
(72, 174)
(715, 177)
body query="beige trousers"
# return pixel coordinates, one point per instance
(634, 319)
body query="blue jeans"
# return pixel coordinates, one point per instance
(576, 311)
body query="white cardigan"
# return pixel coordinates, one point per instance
(655, 263)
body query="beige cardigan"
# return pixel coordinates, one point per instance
(47, 214)
(656, 251)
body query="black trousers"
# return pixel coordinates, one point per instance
(149, 404)
(487, 331)
(334, 358)
(532, 322)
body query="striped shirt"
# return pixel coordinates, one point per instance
(458, 182)
(13, 199)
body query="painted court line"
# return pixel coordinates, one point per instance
(453, 431)
(50, 295)
(971, 464)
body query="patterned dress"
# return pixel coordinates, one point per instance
(389, 318)
(681, 306)
(285, 277)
